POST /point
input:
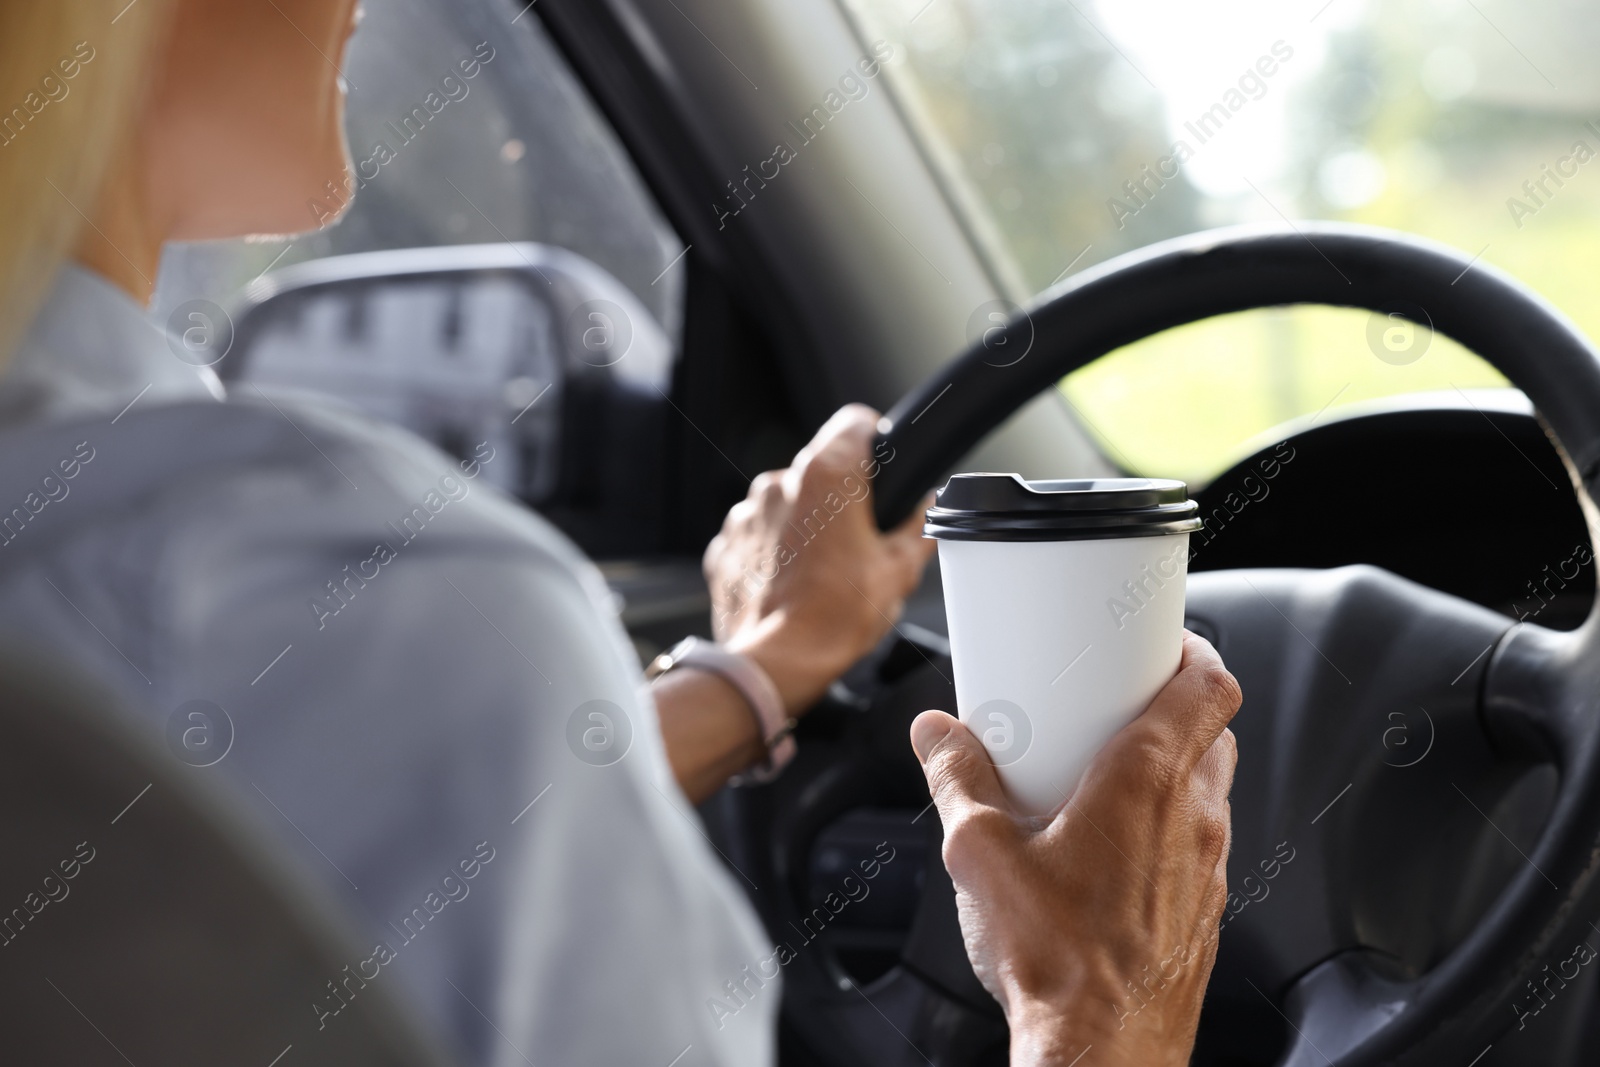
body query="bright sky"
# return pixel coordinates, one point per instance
(1193, 53)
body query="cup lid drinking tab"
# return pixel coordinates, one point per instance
(1005, 507)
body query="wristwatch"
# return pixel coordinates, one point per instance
(744, 674)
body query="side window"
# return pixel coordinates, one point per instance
(501, 283)
(466, 127)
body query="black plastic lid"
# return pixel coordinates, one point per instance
(1004, 507)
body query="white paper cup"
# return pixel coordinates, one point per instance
(1065, 605)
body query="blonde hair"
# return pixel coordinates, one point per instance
(71, 72)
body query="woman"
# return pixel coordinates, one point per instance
(438, 725)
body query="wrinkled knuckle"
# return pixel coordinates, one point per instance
(712, 557)
(1213, 835)
(948, 769)
(1153, 756)
(973, 835)
(827, 471)
(813, 476)
(1166, 776)
(1220, 687)
(1230, 751)
(962, 837)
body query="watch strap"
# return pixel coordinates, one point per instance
(753, 683)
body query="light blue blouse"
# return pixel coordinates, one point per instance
(405, 666)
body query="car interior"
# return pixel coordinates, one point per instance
(1303, 257)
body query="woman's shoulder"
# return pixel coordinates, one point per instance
(265, 471)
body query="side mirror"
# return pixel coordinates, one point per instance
(528, 349)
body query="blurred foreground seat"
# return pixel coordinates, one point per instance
(143, 921)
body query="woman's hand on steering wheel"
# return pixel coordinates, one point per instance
(1099, 928)
(802, 580)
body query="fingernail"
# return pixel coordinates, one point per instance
(927, 730)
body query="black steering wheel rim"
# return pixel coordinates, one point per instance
(1535, 692)
(1218, 272)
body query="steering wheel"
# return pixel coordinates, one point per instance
(1403, 904)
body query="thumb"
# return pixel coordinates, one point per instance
(961, 776)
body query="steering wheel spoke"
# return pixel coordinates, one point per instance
(1543, 696)
(1339, 1004)
(1376, 821)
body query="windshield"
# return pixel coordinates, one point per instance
(1083, 130)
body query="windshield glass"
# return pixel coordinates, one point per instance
(1086, 129)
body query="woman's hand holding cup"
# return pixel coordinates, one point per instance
(1100, 927)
